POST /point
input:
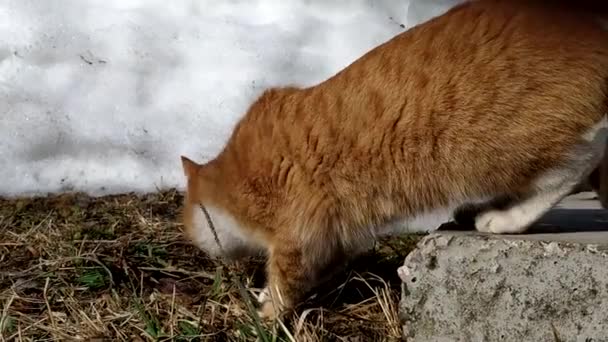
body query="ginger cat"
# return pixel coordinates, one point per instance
(491, 100)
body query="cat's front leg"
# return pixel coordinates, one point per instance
(290, 276)
(296, 267)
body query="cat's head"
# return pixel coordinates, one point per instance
(209, 224)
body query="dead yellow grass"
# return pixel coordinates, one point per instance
(117, 268)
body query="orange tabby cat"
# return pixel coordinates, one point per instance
(494, 99)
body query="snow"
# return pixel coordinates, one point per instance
(103, 96)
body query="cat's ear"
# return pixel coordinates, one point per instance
(190, 167)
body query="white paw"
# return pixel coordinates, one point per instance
(496, 222)
(268, 309)
(264, 295)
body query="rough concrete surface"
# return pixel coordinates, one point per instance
(543, 286)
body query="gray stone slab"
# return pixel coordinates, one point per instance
(548, 285)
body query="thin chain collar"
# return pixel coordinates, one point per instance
(211, 227)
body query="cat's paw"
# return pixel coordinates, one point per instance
(496, 222)
(264, 295)
(267, 309)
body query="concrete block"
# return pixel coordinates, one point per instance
(548, 285)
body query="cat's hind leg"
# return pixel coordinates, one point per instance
(520, 215)
(465, 214)
(548, 189)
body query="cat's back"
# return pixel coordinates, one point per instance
(487, 76)
(498, 69)
(510, 84)
(505, 37)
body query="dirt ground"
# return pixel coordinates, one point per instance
(117, 268)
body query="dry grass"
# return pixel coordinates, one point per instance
(117, 268)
